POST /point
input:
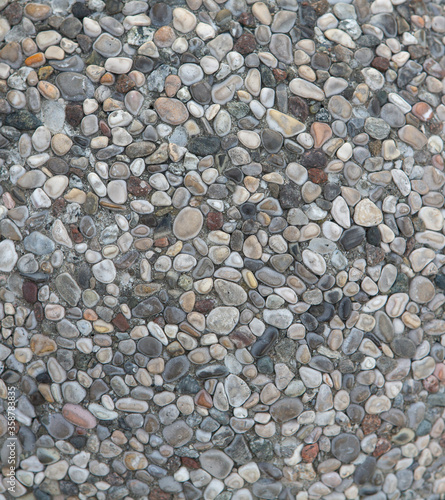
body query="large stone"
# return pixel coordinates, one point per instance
(367, 214)
(171, 111)
(8, 256)
(177, 434)
(188, 223)
(216, 463)
(222, 320)
(345, 447)
(237, 390)
(68, 289)
(286, 409)
(286, 125)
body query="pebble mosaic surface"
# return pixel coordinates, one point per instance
(221, 250)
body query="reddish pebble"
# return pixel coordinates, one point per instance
(370, 424)
(161, 242)
(245, 44)
(382, 446)
(423, 111)
(138, 186)
(124, 84)
(437, 162)
(38, 312)
(172, 85)
(215, 220)
(309, 453)
(30, 291)
(158, 494)
(204, 399)
(431, 384)
(247, 19)
(104, 128)
(79, 416)
(121, 323)
(380, 63)
(279, 74)
(242, 338)
(204, 306)
(58, 206)
(439, 372)
(190, 463)
(317, 176)
(76, 234)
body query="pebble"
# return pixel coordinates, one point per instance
(221, 248)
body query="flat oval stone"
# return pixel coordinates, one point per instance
(171, 111)
(68, 289)
(345, 447)
(104, 271)
(8, 256)
(188, 223)
(222, 320)
(176, 368)
(74, 86)
(79, 416)
(107, 45)
(38, 244)
(148, 308)
(177, 434)
(286, 409)
(216, 463)
(150, 346)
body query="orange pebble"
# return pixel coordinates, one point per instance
(48, 90)
(36, 60)
(90, 315)
(204, 399)
(107, 79)
(161, 242)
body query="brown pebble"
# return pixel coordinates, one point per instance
(138, 186)
(317, 176)
(161, 242)
(164, 37)
(30, 291)
(172, 85)
(380, 63)
(215, 220)
(121, 323)
(245, 44)
(382, 446)
(204, 306)
(247, 19)
(76, 235)
(58, 206)
(190, 463)
(298, 108)
(279, 74)
(370, 424)
(124, 84)
(204, 399)
(157, 494)
(73, 114)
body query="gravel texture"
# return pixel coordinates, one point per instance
(221, 250)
